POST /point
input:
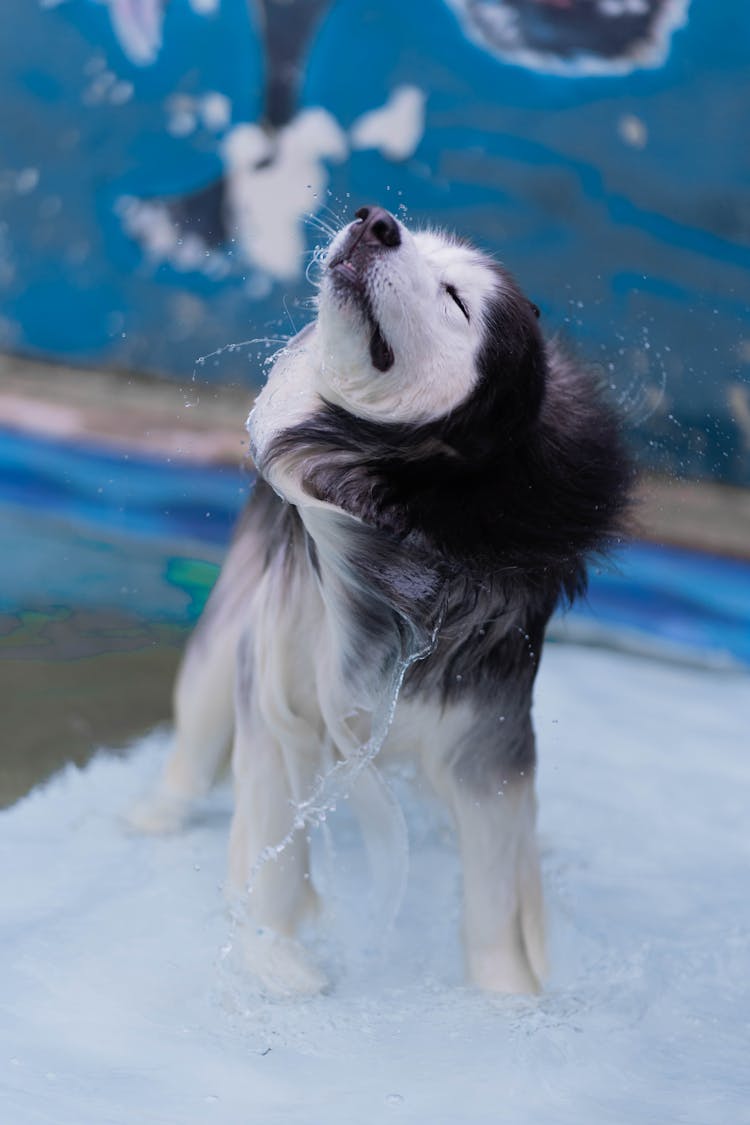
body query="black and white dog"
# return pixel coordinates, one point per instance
(432, 478)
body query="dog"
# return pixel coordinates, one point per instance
(432, 479)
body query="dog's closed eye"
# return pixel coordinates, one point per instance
(451, 291)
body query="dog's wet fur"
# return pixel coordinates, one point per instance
(433, 478)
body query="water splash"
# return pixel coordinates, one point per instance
(358, 772)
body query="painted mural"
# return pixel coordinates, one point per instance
(171, 169)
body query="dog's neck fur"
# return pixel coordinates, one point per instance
(530, 505)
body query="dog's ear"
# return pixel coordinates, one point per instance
(512, 366)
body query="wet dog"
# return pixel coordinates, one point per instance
(433, 477)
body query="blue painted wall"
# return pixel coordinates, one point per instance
(150, 170)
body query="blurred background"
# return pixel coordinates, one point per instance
(169, 172)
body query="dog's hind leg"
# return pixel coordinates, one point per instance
(204, 719)
(503, 910)
(203, 703)
(204, 692)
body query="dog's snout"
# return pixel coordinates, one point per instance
(379, 226)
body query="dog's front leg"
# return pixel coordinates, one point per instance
(269, 878)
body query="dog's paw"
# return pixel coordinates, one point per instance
(158, 814)
(281, 964)
(494, 971)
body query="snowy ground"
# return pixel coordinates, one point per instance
(120, 1000)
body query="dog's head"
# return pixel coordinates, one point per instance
(424, 398)
(412, 327)
(420, 333)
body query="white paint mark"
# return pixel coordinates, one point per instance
(138, 27)
(738, 399)
(743, 349)
(212, 110)
(181, 122)
(26, 180)
(633, 130)
(395, 129)
(215, 111)
(272, 182)
(121, 93)
(149, 222)
(138, 24)
(618, 8)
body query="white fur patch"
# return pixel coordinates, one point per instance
(433, 343)
(290, 395)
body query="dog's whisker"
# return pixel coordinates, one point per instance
(338, 220)
(318, 223)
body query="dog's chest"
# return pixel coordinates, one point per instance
(289, 397)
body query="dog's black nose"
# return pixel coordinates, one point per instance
(379, 226)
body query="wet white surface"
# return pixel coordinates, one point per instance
(121, 1001)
